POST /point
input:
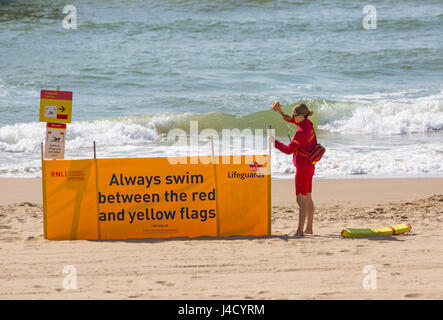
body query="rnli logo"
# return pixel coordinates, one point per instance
(71, 175)
(256, 167)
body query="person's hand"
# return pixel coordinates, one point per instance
(276, 106)
(271, 138)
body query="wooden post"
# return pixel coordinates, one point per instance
(58, 89)
(269, 152)
(269, 187)
(96, 184)
(217, 212)
(45, 233)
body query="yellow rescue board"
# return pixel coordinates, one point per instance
(376, 232)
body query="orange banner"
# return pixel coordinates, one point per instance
(156, 197)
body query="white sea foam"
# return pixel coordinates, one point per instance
(415, 161)
(382, 118)
(368, 139)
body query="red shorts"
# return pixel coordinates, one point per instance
(303, 180)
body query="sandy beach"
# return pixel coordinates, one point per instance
(118, 83)
(319, 266)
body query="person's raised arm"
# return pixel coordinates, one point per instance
(286, 117)
(277, 108)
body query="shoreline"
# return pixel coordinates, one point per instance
(357, 192)
(360, 192)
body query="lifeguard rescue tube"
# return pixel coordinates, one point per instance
(376, 232)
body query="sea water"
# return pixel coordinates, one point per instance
(139, 69)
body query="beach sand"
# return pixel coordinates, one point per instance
(319, 266)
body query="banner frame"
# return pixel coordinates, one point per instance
(97, 205)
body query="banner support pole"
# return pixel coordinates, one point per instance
(96, 192)
(269, 186)
(217, 216)
(45, 218)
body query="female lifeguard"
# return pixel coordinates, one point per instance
(304, 140)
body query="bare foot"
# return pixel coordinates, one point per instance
(308, 231)
(298, 234)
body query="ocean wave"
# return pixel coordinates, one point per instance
(145, 136)
(383, 117)
(341, 159)
(26, 137)
(345, 118)
(369, 161)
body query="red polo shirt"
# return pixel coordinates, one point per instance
(304, 139)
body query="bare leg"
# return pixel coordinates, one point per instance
(310, 214)
(302, 213)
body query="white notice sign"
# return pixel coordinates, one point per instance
(55, 140)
